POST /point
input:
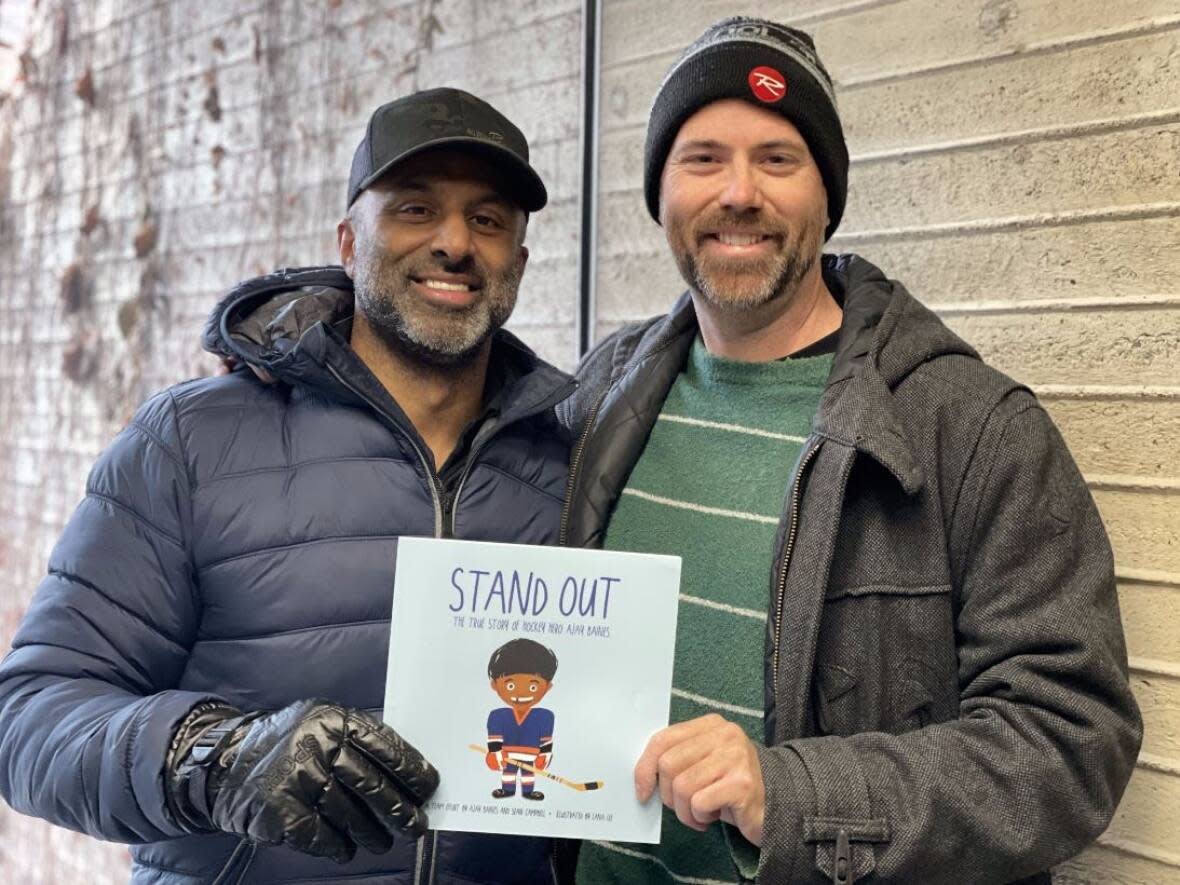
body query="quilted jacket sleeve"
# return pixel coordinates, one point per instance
(1047, 732)
(87, 704)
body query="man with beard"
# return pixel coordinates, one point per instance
(201, 672)
(935, 687)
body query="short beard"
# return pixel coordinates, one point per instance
(742, 284)
(432, 335)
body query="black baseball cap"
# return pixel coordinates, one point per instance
(445, 118)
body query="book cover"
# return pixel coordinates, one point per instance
(531, 678)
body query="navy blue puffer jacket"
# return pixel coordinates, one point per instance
(237, 543)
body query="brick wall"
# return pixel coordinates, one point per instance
(1017, 164)
(159, 151)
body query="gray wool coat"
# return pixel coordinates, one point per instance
(946, 688)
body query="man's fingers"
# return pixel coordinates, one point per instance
(405, 766)
(708, 802)
(729, 799)
(645, 777)
(350, 813)
(696, 768)
(677, 761)
(312, 833)
(727, 785)
(648, 767)
(680, 801)
(369, 783)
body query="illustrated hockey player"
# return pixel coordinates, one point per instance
(521, 673)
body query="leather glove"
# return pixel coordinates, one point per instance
(492, 760)
(314, 776)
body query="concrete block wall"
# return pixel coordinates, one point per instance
(1017, 164)
(156, 153)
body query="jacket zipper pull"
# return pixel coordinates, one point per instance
(842, 864)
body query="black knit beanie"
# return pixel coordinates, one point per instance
(767, 64)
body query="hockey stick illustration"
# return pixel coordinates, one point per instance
(576, 785)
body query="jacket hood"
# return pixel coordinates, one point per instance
(886, 334)
(276, 322)
(884, 323)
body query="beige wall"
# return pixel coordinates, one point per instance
(214, 143)
(1017, 164)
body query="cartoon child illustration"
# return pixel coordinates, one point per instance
(521, 673)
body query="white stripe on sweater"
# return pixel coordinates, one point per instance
(718, 705)
(701, 508)
(630, 852)
(733, 428)
(721, 606)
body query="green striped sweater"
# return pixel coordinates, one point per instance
(710, 488)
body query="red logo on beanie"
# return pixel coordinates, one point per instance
(767, 84)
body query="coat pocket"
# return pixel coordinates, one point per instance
(913, 695)
(833, 683)
(885, 660)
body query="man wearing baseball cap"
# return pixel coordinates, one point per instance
(899, 655)
(201, 672)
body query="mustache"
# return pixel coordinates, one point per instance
(417, 266)
(738, 224)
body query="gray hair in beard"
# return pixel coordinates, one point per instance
(433, 335)
(778, 276)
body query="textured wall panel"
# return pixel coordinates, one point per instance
(1121, 258)
(1107, 865)
(161, 151)
(1136, 437)
(1139, 820)
(1159, 696)
(1150, 614)
(1088, 347)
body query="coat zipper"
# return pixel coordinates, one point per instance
(475, 450)
(435, 490)
(244, 846)
(796, 485)
(575, 463)
(424, 861)
(425, 875)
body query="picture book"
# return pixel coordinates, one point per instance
(531, 678)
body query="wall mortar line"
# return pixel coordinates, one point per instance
(1137, 849)
(1103, 126)
(1144, 28)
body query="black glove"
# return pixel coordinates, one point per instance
(314, 776)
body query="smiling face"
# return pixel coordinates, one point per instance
(435, 254)
(743, 205)
(521, 691)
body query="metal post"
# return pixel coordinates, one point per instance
(588, 253)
